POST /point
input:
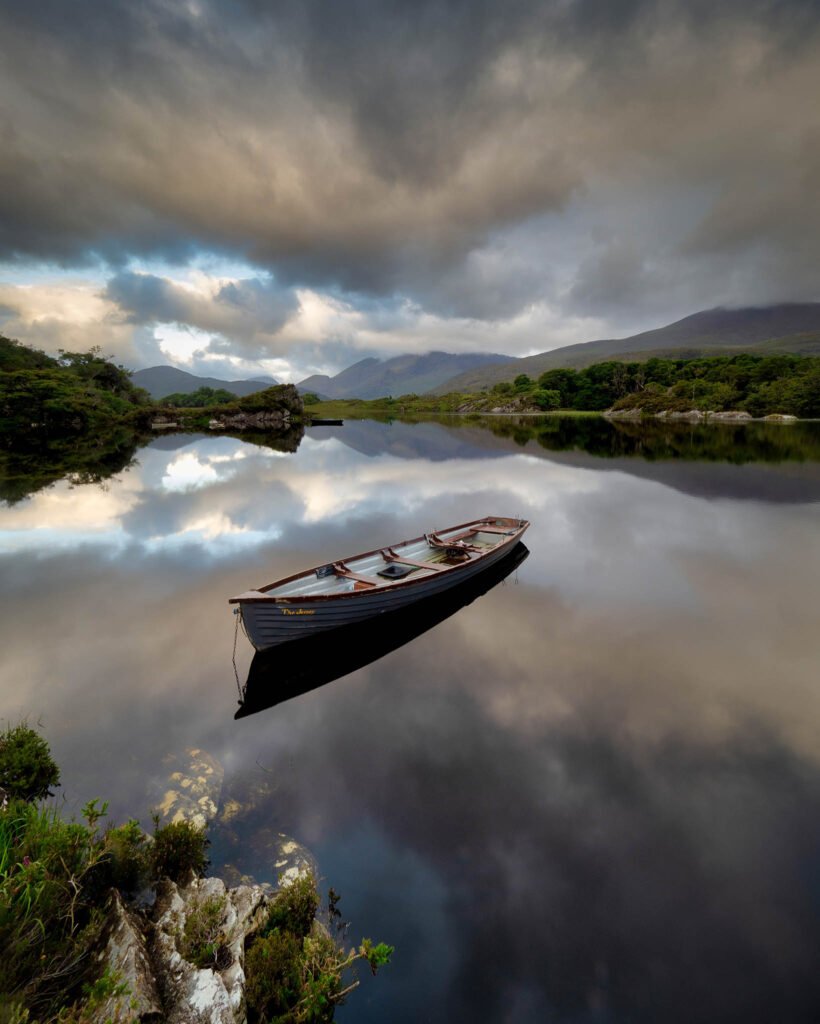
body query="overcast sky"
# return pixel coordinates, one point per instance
(286, 187)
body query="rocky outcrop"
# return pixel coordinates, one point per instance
(274, 409)
(730, 416)
(123, 952)
(624, 414)
(692, 416)
(263, 420)
(682, 416)
(144, 950)
(780, 417)
(145, 954)
(204, 995)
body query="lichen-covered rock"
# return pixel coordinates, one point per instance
(192, 788)
(204, 995)
(123, 954)
(780, 417)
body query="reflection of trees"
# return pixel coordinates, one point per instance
(27, 468)
(655, 440)
(28, 465)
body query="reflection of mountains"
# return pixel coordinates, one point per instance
(303, 665)
(761, 461)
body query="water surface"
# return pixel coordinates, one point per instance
(590, 795)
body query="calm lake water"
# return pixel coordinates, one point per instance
(593, 794)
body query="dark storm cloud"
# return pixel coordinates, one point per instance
(386, 147)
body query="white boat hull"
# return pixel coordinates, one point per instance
(269, 621)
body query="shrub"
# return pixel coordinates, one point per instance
(295, 970)
(95, 996)
(177, 849)
(27, 771)
(294, 907)
(12, 1011)
(547, 398)
(273, 973)
(203, 941)
(127, 856)
(49, 915)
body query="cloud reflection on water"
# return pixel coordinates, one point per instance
(597, 790)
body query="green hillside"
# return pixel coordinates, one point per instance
(793, 329)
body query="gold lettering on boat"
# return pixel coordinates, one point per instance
(298, 611)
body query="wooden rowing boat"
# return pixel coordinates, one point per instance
(297, 667)
(363, 586)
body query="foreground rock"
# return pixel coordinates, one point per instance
(145, 953)
(124, 953)
(148, 951)
(204, 995)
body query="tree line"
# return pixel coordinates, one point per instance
(760, 385)
(71, 393)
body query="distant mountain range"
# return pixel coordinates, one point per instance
(793, 327)
(402, 375)
(161, 381)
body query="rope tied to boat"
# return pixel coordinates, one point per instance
(237, 616)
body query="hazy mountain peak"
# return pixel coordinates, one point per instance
(160, 381)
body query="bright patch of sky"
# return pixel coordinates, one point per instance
(206, 263)
(38, 273)
(180, 343)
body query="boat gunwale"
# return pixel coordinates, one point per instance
(390, 585)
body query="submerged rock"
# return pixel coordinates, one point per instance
(250, 848)
(245, 849)
(192, 789)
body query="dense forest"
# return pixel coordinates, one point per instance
(759, 385)
(73, 393)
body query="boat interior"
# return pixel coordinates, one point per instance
(423, 556)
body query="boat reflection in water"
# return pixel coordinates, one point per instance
(294, 668)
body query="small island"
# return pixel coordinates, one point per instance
(80, 416)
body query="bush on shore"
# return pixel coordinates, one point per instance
(56, 878)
